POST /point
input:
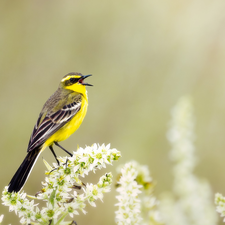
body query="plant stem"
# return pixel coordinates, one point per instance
(62, 218)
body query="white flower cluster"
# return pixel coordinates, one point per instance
(194, 205)
(133, 202)
(60, 189)
(149, 203)
(220, 205)
(129, 204)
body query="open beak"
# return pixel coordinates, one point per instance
(82, 79)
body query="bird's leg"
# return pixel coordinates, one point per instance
(56, 143)
(51, 148)
(66, 162)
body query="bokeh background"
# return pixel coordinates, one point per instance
(144, 55)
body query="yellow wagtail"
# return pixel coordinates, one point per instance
(60, 116)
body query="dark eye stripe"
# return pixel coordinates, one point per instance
(74, 80)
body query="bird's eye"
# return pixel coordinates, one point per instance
(73, 80)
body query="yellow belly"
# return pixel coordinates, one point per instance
(69, 128)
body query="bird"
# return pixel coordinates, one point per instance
(61, 116)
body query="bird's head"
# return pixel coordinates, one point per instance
(75, 82)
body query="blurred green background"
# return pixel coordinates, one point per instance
(143, 55)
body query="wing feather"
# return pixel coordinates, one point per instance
(52, 123)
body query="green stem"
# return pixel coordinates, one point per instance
(62, 218)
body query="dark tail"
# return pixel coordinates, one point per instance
(24, 170)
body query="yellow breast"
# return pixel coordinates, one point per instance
(69, 128)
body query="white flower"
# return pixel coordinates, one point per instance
(129, 204)
(220, 204)
(193, 204)
(60, 187)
